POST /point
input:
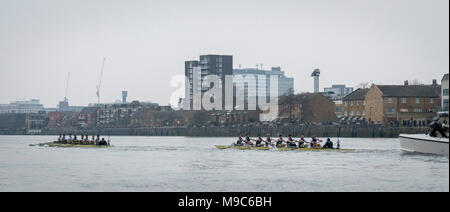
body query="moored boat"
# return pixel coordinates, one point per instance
(422, 143)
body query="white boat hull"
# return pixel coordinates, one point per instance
(424, 144)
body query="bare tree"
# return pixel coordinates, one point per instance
(363, 85)
(416, 82)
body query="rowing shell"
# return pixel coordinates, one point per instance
(284, 149)
(71, 145)
(315, 149)
(242, 147)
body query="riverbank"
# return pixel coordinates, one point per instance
(320, 131)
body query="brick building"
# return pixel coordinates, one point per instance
(87, 118)
(155, 117)
(353, 105)
(397, 103)
(307, 108)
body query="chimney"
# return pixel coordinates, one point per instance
(406, 83)
(434, 82)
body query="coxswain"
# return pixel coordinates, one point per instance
(328, 144)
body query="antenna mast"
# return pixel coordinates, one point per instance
(67, 87)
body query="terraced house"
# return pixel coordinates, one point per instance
(353, 105)
(397, 103)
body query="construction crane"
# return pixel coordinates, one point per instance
(67, 87)
(100, 81)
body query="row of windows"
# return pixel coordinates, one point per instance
(357, 103)
(357, 113)
(404, 100)
(404, 110)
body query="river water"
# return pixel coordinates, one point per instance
(195, 165)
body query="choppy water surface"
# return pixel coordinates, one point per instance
(193, 164)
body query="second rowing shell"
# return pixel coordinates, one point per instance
(282, 148)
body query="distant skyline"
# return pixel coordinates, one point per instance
(145, 43)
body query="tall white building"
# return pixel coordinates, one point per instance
(285, 84)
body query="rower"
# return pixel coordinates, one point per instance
(268, 140)
(328, 144)
(258, 141)
(315, 142)
(302, 142)
(291, 142)
(97, 140)
(280, 141)
(239, 141)
(248, 140)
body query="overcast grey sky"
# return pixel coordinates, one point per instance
(147, 42)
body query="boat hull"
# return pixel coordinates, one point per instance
(424, 144)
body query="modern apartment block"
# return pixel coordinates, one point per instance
(337, 92)
(244, 76)
(218, 65)
(32, 106)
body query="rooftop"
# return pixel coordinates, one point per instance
(445, 78)
(359, 94)
(408, 91)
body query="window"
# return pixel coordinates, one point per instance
(432, 101)
(351, 103)
(357, 113)
(417, 110)
(390, 110)
(417, 100)
(389, 100)
(404, 100)
(345, 113)
(351, 113)
(445, 92)
(364, 113)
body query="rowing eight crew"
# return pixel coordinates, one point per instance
(83, 141)
(281, 142)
